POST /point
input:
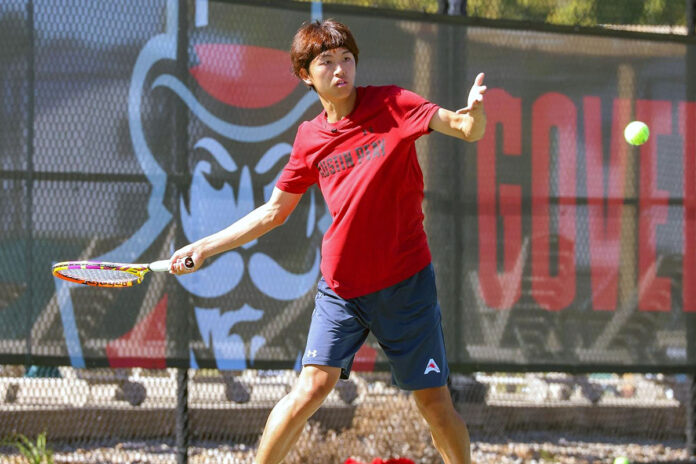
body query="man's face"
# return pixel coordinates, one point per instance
(332, 73)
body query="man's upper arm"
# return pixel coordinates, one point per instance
(283, 203)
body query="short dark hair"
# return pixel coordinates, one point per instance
(314, 38)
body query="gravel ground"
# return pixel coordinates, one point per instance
(517, 449)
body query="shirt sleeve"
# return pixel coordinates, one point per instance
(296, 176)
(416, 113)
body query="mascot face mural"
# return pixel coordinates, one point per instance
(210, 129)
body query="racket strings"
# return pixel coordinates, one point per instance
(100, 275)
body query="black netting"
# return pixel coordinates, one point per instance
(130, 129)
(552, 221)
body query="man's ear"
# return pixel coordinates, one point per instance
(304, 75)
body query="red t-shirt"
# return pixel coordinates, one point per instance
(368, 172)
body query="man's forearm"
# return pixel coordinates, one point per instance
(250, 227)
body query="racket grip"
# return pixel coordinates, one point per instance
(188, 262)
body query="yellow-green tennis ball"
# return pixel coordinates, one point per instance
(622, 460)
(636, 133)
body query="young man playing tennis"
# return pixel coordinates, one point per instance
(375, 263)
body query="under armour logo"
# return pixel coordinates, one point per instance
(431, 367)
(313, 354)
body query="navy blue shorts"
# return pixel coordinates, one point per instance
(404, 318)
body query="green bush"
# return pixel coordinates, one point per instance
(564, 12)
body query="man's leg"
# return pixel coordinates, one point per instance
(288, 417)
(449, 432)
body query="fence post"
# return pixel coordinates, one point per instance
(689, 406)
(691, 356)
(29, 176)
(691, 323)
(180, 126)
(452, 7)
(182, 419)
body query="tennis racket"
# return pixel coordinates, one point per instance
(99, 274)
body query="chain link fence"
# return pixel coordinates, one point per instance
(129, 129)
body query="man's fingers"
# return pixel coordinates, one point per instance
(177, 265)
(479, 78)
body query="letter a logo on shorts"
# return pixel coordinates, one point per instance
(431, 367)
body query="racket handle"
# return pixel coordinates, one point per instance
(163, 265)
(159, 266)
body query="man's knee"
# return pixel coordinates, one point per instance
(314, 389)
(315, 383)
(437, 397)
(435, 404)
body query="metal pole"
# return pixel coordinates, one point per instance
(180, 166)
(690, 317)
(29, 176)
(457, 8)
(182, 418)
(690, 416)
(452, 7)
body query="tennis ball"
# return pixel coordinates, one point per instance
(622, 460)
(636, 133)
